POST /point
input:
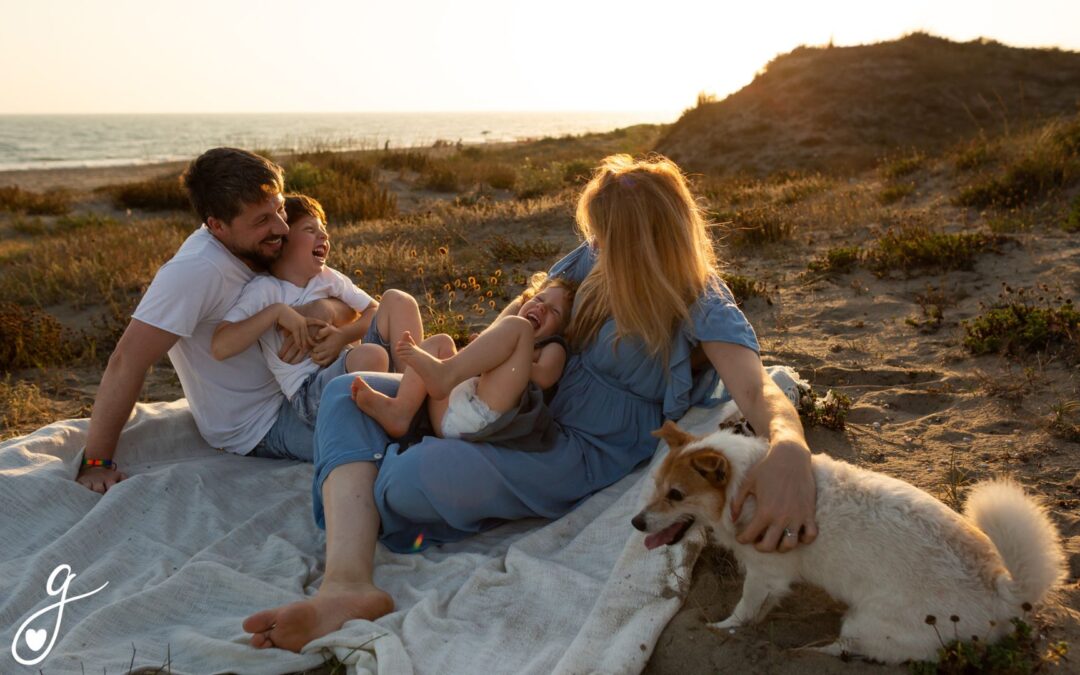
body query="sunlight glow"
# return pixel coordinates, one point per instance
(428, 55)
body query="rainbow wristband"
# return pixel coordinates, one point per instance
(107, 463)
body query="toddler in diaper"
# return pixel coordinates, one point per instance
(468, 390)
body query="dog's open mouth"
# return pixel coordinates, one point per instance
(672, 534)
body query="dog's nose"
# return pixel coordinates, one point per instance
(638, 521)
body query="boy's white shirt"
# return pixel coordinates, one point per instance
(266, 290)
(235, 401)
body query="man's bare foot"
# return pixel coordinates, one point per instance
(433, 371)
(293, 626)
(390, 415)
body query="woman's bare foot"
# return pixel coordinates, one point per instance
(433, 371)
(391, 416)
(293, 626)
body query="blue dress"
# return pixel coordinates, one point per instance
(611, 396)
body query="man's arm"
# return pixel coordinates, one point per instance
(140, 347)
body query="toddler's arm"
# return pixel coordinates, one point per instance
(548, 367)
(232, 338)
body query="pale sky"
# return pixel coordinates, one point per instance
(134, 56)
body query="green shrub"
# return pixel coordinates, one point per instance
(918, 248)
(302, 177)
(1018, 653)
(829, 411)
(839, 260)
(536, 180)
(1018, 324)
(1052, 162)
(743, 288)
(577, 171)
(1072, 220)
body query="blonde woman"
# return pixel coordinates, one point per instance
(653, 331)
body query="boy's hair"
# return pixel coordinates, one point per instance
(297, 206)
(221, 181)
(541, 280)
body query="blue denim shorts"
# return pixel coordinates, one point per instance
(306, 399)
(289, 438)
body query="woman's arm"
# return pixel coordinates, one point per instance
(782, 482)
(548, 367)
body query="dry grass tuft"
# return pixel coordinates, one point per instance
(50, 203)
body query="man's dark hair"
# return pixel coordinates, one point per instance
(221, 181)
(297, 206)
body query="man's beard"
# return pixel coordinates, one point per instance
(256, 258)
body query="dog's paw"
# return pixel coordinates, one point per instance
(728, 624)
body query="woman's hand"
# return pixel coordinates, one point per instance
(785, 494)
(782, 483)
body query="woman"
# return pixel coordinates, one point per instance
(653, 330)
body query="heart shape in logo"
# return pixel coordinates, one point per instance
(35, 639)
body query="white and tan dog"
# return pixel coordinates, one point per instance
(891, 552)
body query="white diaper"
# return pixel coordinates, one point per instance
(466, 413)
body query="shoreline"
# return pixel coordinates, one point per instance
(87, 178)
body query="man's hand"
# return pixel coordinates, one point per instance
(298, 331)
(99, 478)
(783, 487)
(329, 341)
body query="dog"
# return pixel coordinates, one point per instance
(894, 554)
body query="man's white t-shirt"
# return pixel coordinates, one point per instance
(235, 401)
(263, 291)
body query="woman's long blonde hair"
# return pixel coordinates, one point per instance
(654, 257)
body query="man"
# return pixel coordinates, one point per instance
(237, 403)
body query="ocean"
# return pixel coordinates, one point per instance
(62, 141)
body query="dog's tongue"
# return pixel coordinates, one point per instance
(662, 537)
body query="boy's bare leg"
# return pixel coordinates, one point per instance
(367, 358)
(398, 313)
(491, 349)
(347, 591)
(395, 414)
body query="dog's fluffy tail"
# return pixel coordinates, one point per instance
(1022, 533)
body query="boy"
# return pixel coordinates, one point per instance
(299, 276)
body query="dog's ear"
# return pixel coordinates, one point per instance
(675, 437)
(712, 465)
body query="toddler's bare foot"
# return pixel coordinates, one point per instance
(293, 626)
(391, 416)
(433, 371)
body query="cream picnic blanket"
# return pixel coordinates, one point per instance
(195, 540)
